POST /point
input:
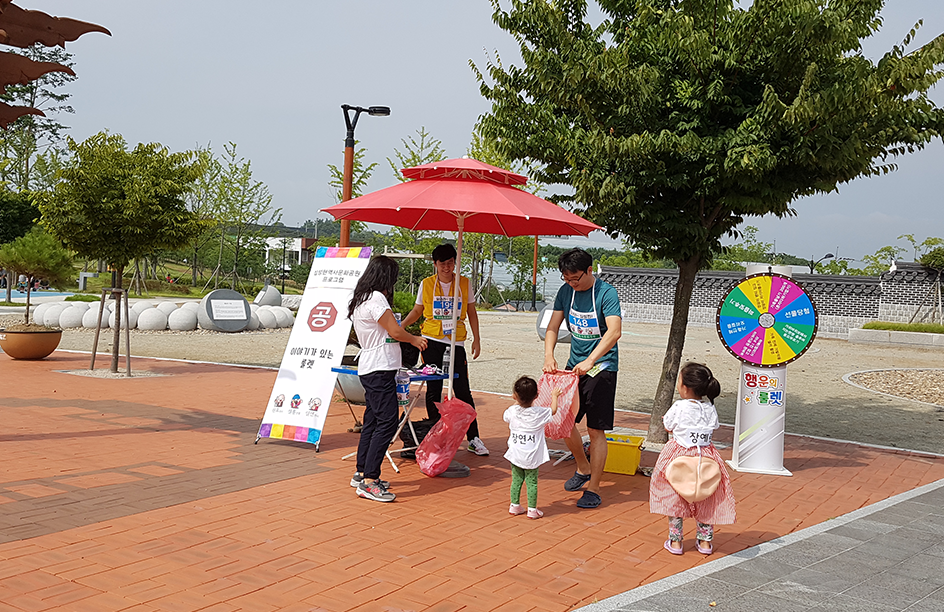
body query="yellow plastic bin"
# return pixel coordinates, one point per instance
(622, 453)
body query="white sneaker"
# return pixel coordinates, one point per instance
(478, 447)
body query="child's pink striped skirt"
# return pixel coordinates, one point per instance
(716, 510)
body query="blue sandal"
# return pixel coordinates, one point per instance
(576, 482)
(589, 499)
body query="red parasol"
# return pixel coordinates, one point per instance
(463, 195)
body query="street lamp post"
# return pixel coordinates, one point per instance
(282, 271)
(813, 264)
(348, 182)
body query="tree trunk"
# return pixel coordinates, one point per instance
(236, 254)
(29, 287)
(491, 271)
(137, 276)
(11, 278)
(665, 392)
(219, 261)
(193, 266)
(116, 341)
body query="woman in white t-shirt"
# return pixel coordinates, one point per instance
(378, 334)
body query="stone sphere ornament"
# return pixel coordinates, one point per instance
(152, 319)
(182, 319)
(132, 316)
(71, 318)
(166, 307)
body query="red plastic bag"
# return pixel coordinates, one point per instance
(562, 422)
(437, 449)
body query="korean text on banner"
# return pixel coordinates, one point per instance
(303, 390)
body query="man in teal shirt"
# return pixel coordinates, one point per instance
(592, 311)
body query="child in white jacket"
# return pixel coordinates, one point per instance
(527, 448)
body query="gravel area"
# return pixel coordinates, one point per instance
(101, 373)
(918, 385)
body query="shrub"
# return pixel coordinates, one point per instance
(934, 258)
(83, 297)
(929, 328)
(165, 287)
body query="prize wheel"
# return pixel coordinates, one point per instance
(767, 320)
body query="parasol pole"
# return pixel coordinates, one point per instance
(460, 221)
(534, 277)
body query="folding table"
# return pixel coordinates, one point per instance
(405, 419)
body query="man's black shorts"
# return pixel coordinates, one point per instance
(597, 399)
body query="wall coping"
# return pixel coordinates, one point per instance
(901, 338)
(816, 283)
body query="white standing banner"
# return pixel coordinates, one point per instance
(759, 424)
(303, 389)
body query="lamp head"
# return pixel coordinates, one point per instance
(379, 111)
(828, 256)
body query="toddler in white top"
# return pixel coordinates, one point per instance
(527, 448)
(692, 420)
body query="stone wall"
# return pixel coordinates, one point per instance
(843, 302)
(907, 290)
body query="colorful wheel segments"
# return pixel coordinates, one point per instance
(767, 320)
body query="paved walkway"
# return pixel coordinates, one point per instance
(148, 494)
(886, 557)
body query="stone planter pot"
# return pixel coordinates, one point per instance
(349, 384)
(29, 344)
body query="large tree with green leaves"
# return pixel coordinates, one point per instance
(119, 205)
(202, 202)
(419, 150)
(18, 213)
(242, 208)
(32, 144)
(674, 120)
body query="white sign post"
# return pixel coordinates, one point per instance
(759, 423)
(298, 404)
(766, 321)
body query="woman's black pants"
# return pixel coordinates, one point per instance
(434, 355)
(380, 421)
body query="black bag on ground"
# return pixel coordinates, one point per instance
(422, 428)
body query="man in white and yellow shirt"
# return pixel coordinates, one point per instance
(434, 302)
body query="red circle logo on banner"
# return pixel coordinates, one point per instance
(322, 316)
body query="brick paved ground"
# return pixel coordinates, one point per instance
(148, 494)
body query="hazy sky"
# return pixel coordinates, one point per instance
(188, 73)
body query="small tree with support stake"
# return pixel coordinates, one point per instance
(119, 205)
(37, 255)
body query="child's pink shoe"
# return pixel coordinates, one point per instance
(668, 546)
(534, 513)
(516, 509)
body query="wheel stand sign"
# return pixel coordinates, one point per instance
(766, 321)
(298, 404)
